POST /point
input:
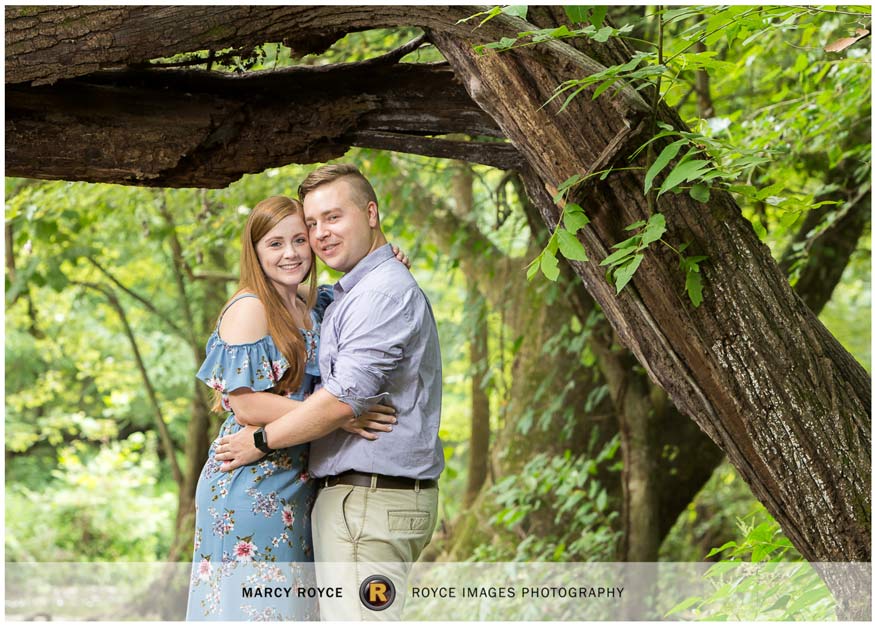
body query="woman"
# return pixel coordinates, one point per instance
(252, 527)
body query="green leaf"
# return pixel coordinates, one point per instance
(788, 219)
(577, 14)
(616, 256)
(574, 218)
(568, 183)
(603, 34)
(688, 170)
(489, 15)
(722, 547)
(692, 263)
(655, 229)
(668, 16)
(56, 279)
(601, 501)
(772, 189)
(634, 241)
(801, 63)
(505, 43)
(636, 225)
(570, 246)
(668, 153)
(555, 33)
(518, 11)
(603, 87)
(701, 193)
(598, 15)
(550, 266)
(694, 287)
(624, 273)
(533, 268)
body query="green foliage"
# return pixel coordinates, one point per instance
(268, 56)
(755, 151)
(564, 237)
(599, 33)
(103, 505)
(516, 11)
(761, 578)
(566, 489)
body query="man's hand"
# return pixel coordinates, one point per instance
(378, 417)
(238, 449)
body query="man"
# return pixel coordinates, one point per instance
(377, 503)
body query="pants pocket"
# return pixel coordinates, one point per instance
(409, 521)
(351, 516)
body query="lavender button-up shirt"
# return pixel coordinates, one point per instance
(379, 341)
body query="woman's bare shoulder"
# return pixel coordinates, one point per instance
(244, 321)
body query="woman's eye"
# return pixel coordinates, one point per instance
(300, 241)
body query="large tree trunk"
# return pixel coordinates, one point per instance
(752, 365)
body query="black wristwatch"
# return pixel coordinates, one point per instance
(260, 437)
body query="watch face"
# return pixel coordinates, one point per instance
(261, 440)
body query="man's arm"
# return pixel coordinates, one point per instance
(372, 348)
(318, 415)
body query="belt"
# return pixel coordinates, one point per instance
(355, 478)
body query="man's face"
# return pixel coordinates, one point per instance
(341, 231)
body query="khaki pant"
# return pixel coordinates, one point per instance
(359, 532)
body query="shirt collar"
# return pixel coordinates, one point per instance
(363, 268)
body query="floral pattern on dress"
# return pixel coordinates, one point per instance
(254, 522)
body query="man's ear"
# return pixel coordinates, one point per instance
(373, 215)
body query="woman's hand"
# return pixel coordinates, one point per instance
(401, 256)
(378, 417)
(238, 449)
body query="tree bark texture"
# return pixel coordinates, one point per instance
(478, 351)
(172, 128)
(752, 365)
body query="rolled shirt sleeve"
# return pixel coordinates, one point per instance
(372, 347)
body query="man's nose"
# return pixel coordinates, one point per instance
(319, 232)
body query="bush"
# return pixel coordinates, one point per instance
(554, 510)
(762, 577)
(106, 508)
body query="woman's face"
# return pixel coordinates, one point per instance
(284, 253)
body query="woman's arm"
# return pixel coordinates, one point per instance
(259, 408)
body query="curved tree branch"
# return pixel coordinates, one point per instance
(142, 300)
(176, 128)
(163, 431)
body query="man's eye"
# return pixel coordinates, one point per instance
(311, 225)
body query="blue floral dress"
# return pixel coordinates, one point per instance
(252, 525)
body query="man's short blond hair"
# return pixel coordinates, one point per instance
(362, 190)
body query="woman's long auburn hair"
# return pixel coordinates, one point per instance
(280, 324)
